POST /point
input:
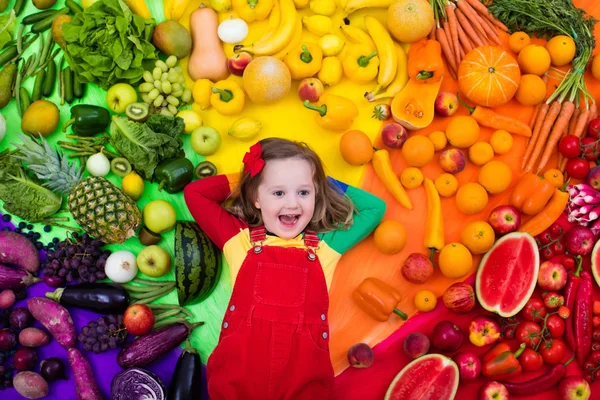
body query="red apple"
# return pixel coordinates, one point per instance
(394, 135)
(417, 268)
(446, 104)
(310, 89)
(138, 319)
(552, 276)
(469, 365)
(453, 161)
(505, 219)
(580, 240)
(360, 355)
(238, 62)
(574, 388)
(493, 391)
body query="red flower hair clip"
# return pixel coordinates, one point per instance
(253, 163)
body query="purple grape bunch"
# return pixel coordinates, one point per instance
(105, 333)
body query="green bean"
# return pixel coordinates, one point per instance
(47, 46)
(150, 282)
(165, 322)
(37, 87)
(38, 16)
(165, 315)
(52, 57)
(50, 79)
(24, 99)
(61, 84)
(68, 85)
(20, 38)
(74, 7)
(32, 66)
(17, 94)
(18, 7)
(46, 23)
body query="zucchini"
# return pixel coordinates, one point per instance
(187, 378)
(104, 298)
(197, 263)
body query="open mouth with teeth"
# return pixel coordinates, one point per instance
(289, 219)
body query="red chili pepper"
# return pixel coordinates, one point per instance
(583, 318)
(539, 384)
(570, 295)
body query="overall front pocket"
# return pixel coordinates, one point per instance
(280, 285)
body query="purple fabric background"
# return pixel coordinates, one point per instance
(104, 365)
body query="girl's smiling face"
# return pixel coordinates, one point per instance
(286, 196)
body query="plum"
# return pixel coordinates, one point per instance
(416, 345)
(360, 355)
(8, 339)
(25, 359)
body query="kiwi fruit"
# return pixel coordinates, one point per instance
(120, 166)
(137, 112)
(205, 169)
(147, 237)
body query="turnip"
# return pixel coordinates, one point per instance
(579, 240)
(17, 249)
(30, 385)
(55, 318)
(85, 384)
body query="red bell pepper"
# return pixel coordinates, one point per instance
(501, 363)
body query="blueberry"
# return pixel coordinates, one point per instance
(29, 226)
(36, 235)
(6, 228)
(39, 245)
(47, 228)
(22, 225)
(17, 230)
(55, 240)
(6, 217)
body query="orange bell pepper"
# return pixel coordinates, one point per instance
(383, 168)
(531, 194)
(542, 221)
(378, 299)
(425, 64)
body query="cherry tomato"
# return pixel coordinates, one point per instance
(529, 333)
(597, 375)
(553, 351)
(578, 168)
(568, 262)
(588, 366)
(593, 128)
(546, 237)
(509, 332)
(531, 360)
(548, 253)
(588, 377)
(595, 346)
(569, 146)
(556, 231)
(594, 357)
(555, 325)
(534, 310)
(590, 148)
(596, 335)
(558, 248)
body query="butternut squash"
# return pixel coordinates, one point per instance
(413, 107)
(208, 60)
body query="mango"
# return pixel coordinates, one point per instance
(172, 38)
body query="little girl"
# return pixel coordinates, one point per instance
(283, 232)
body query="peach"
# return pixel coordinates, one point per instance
(446, 104)
(416, 345)
(417, 268)
(238, 62)
(453, 161)
(310, 89)
(360, 355)
(394, 135)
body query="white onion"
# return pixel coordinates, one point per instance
(98, 164)
(233, 30)
(121, 266)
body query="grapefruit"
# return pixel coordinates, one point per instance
(507, 274)
(410, 20)
(430, 377)
(266, 80)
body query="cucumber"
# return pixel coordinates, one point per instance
(33, 18)
(69, 94)
(37, 87)
(78, 88)
(45, 24)
(197, 263)
(74, 7)
(50, 80)
(24, 99)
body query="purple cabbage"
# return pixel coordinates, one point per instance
(137, 384)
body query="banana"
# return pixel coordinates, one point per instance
(399, 81)
(293, 43)
(353, 5)
(357, 35)
(274, 21)
(178, 9)
(281, 37)
(244, 128)
(320, 25)
(388, 59)
(168, 8)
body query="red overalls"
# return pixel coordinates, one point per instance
(274, 342)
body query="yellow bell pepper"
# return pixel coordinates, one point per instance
(252, 10)
(304, 61)
(361, 64)
(434, 224)
(202, 91)
(227, 98)
(331, 71)
(335, 113)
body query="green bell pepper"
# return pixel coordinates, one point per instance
(88, 120)
(173, 174)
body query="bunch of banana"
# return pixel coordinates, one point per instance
(386, 51)
(293, 42)
(244, 128)
(281, 36)
(174, 9)
(399, 81)
(350, 6)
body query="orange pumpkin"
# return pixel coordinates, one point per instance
(489, 76)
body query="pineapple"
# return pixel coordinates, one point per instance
(98, 206)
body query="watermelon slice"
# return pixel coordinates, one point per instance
(431, 377)
(508, 273)
(596, 262)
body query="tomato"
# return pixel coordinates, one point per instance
(578, 168)
(546, 237)
(556, 231)
(531, 360)
(556, 326)
(590, 148)
(529, 333)
(558, 248)
(553, 351)
(597, 375)
(594, 357)
(596, 335)
(568, 262)
(548, 253)
(593, 128)
(534, 310)
(569, 146)
(588, 366)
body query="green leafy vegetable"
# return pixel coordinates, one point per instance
(147, 144)
(7, 27)
(107, 43)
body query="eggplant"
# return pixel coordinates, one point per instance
(104, 298)
(187, 378)
(15, 278)
(150, 347)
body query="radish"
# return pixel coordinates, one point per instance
(55, 318)
(85, 384)
(17, 249)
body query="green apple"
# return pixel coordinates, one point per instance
(154, 261)
(159, 216)
(119, 96)
(205, 140)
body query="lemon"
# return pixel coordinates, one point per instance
(331, 45)
(191, 119)
(133, 185)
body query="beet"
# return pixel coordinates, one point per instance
(20, 318)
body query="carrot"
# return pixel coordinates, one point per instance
(490, 29)
(541, 116)
(432, 34)
(481, 9)
(490, 25)
(468, 28)
(581, 123)
(593, 113)
(500, 25)
(464, 39)
(543, 135)
(563, 165)
(453, 24)
(462, 52)
(574, 120)
(560, 126)
(443, 39)
(446, 27)
(473, 17)
(534, 116)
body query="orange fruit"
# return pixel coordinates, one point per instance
(480, 153)
(531, 91)
(596, 67)
(266, 80)
(517, 41)
(462, 131)
(555, 177)
(410, 20)
(471, 198)
(446, 185)
(356, 147)
(501, 141)
(478, 237)
(418, 150)
(562, 50)
(455, 261)
(425, 300)
(411, 178)
(534, 59)
(390, 237)
(495, 176)
(439, 140)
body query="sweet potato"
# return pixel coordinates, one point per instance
(33, 337)
(55, 318)
(85, 384)
(17, 249)
(30, 385)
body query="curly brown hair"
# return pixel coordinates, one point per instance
(333, 209)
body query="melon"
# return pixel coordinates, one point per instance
(508, 273)
(266, 80)
(431, 377)
(410, 20)
(596, 262)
